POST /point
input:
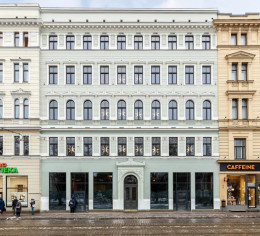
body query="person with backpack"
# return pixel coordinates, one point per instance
(32, 203)
(2, 206)
(14, 203)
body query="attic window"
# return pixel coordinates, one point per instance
(138, 20)
(52, 20)
(104, 20)
(86, 20)
(155, 20)
(173, 20)
(69, 20)
(121, 20)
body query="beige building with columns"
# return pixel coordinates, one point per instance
(239, 110)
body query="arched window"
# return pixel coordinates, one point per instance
(104, 110)
(16, 109)
(53, 111)
(173, 113)
(189, 110)
(70, 110)
(26, 109)
(1, 109)
(138, 110)
(121, 110)
(156, 110)
(206, 110)
(87, 110)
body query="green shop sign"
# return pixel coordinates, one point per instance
(5, 169)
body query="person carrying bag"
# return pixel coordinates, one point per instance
(32, 203)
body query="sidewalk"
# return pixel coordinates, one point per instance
(127, 215)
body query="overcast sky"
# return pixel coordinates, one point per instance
(224, 6)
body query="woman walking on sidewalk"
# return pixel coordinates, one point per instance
(32, 203)
(18, 208)
(2, 206)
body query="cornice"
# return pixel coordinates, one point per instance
(236, 23)
(20, 22)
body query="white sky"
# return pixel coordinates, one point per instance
(224, 6)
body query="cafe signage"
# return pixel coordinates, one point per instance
(5, 169)
(240, 167)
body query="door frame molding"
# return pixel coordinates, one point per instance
(136, 192)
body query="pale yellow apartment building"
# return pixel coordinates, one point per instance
(239, 110)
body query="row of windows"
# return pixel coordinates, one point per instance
(243, 39)
(243, 72)
(122, 76)
(122, 146)
(121, 110)
(121, 42)
(21, 145)
(25, 39)
(235, 109)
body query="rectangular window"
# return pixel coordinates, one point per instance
(104, 146)
(87, 42)
(70, 74)
(172, 42)
(70, 42)
(155, 41)
(243, 39)
(53, 42)
(57, 191)
(17, 186)
(173, 146)
(70, 143)
(139, 146)
(234, 109)
(1, 73)
(121, 147)
(240, 149)
(159, 190)
(53, 146)
(155, 74)
(104, 42)
(206, 74)
(26, 146)
(1, 39)
(88, 146)
(87, 74)
(207, 146)
(204, 190)
(25, 39)
(1, 145)
(244, 72)
(25, 72)
(103, 190)
(236, 191)
(190, 146)
(189, 42)
(233, 39)
(121, 75)
(104, 75)
(121, 43)
(172, 74)
(138, 74)
(234, 72)
(138, 41)
(16, 72)
(16, 145)
(206, 42)
(53, 74)
(16, 39)
(189, 74)
(244, 109)
(156, 146)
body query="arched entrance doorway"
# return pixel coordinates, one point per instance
(131, 194)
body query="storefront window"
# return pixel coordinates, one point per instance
(17, 187)
(57, 191)
(258, 189)
(103, 190)
(236, 190)
(79, 190)
(159, 191)
(204, 190)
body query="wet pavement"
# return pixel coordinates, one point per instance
(141, 223)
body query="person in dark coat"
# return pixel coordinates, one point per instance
(2, 206)
(72, 204)
(14, 203)
(32, 203)
(18, 208)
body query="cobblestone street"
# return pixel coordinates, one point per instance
(111, 223)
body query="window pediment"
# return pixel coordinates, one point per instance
(20, 92)
(240, 56)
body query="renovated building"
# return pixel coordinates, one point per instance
(239, 134)
(19, 104)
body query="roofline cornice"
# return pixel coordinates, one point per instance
(19, 21)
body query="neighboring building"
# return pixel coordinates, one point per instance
(129, 109)
(19, 104)
(239, 87)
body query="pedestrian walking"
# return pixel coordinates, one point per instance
(2, 206)
(18, 208)
(72, 204)
(32, 203)
(14, 203)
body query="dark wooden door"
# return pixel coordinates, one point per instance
(130, 192)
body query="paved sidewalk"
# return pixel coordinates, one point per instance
(131, 215)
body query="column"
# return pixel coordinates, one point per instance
(170, 190)
(90, 190)
(193, 190)
(68, 190)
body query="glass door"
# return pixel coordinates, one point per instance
(251, 197)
